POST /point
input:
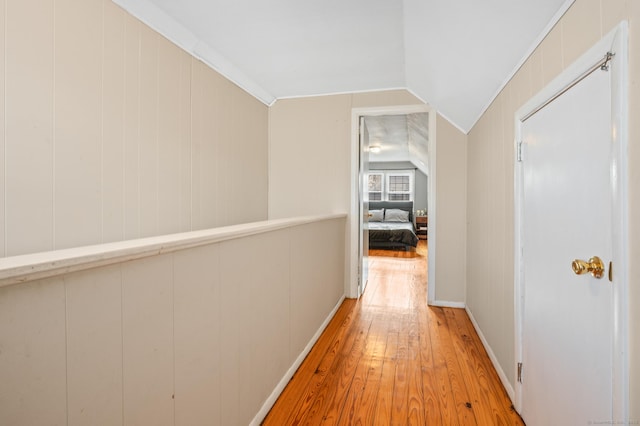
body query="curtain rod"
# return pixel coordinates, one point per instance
(602, 64)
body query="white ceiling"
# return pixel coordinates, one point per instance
(453, 54)
(400, 138)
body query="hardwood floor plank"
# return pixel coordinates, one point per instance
(415, 402)
(360, 402)
(384, 398)
(388, 358)
(444, 391)
(300, 393)
(432, 409)
(488, 381)
(345, 376)
(460, 394)
(400, 395)
(481, 402)
(330, 396)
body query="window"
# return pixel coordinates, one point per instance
(375, 186)
(391, 185)
(399, 187)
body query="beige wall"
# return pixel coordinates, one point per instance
(309, 163)
(490, 201)
(110, 132)
(310, 170)
(189, 337)
(451, 192)
(310, 151)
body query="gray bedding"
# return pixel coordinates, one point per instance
(392, 232)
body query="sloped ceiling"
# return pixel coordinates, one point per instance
(400, 138)
(453, 54)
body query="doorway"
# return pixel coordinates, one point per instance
(571, 199)
(379, 119)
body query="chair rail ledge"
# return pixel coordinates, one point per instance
(29, 267)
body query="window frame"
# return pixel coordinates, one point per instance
(403, 173)
(382, 183)
(385, 177)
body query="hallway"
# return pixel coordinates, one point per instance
(388, 358)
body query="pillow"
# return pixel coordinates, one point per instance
(376, 215)
(396, 215)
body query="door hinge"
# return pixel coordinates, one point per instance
(519, 372)
(519, 151)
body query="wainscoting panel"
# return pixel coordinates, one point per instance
(314, 281)
(147, 336)
(33, 354)
(197, 326)
(94, 346)
(200, 328)
(77, 125)
(28, 164)
(255, 275)
(113, 133)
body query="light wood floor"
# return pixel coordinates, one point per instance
(388, 358)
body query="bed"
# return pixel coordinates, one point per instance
(391, 225)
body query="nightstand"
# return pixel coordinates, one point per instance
(421, 227)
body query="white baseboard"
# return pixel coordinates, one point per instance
(494, 360)
(445, 304)
(296, 364)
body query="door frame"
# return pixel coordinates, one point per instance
(617, 42)
(363, 235)
(355, 222)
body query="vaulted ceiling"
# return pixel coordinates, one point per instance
(453, 54)
(399, 138)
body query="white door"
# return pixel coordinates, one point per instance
(364, 206)
(567, 329)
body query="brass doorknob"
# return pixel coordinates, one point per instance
(594, 266)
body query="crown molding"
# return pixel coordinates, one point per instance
(161, 22)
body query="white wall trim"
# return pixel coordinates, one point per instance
(352, 92)
(554, 20)
(353, 222)
(446, 304)
(615, 41)
(164, 24)
(432, 210)
(271, 400)
(466, 132)
(29, 267)
(494, 360)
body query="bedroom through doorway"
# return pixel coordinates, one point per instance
(393, 187)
